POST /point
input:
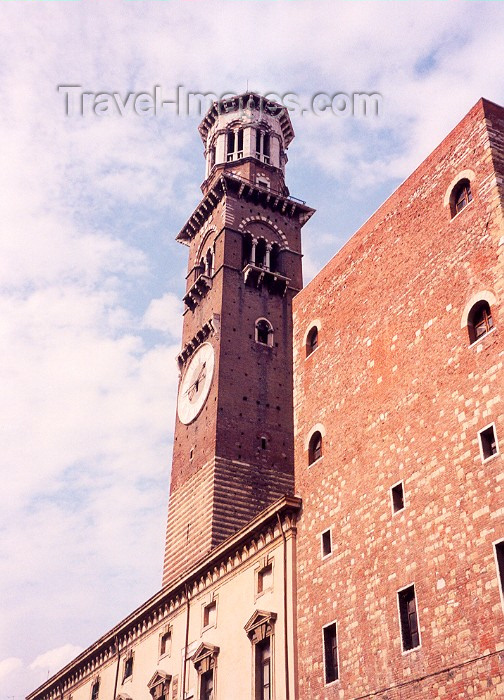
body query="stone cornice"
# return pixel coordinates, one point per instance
(243, 189)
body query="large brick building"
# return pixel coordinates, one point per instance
(375, 396)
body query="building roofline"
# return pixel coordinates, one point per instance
(480, 105)
(177, 588)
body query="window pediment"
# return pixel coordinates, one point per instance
(260, 625)
(204, 656)
(159, 678)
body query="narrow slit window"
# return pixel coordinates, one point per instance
(312, 341)
(230, 145)
(331, 671)
(165, 643)
(397, 493)
(499, 553)
(408, 618)
(240, 144)
(326, 543)
(315, 447)
(488, 442)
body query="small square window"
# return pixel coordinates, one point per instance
(265, 578)
(326, 542)
(488, 442)
(397, 495)
(210, 615)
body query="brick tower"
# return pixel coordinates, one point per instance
(233, 446)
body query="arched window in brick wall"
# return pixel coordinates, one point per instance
(312, 340)
(264, 332)
(460, 197)
(315, 447)
(479, 320)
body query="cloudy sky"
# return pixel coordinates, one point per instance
(90, 274)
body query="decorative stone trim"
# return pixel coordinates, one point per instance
(264, 220)
(208, 329)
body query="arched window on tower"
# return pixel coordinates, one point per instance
(315, 447)
(209, 263)
(264, 332)
(460, 197)
(260, 257)
(230, 146)
(234, 145)
(262, 146)
(312, 341)
(479, 320)
(275, 258)
(247, 249)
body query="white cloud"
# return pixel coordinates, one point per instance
(90, 276)
(54, 659)
(8, 666)
(165, 315)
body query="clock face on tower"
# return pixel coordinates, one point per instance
(195, 383)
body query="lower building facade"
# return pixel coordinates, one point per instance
(226, 629)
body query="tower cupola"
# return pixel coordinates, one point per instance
(247, 135)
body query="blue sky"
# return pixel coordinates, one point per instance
(91, 275)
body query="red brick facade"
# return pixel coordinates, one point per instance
(399, 394)
(236, 457)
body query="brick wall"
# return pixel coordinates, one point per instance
(401, 396)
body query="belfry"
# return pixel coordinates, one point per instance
(233, 448)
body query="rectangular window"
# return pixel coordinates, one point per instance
(230, 145)
(265, 578)
(330, 653)
(499, 554)
(410, 634)
(206, 685)
(397, 494)
(488, 442)
(263, 669)
(95, 690)
(128, 667)
(240, 144)
(326, 543)
(165, 643)
(210, 615)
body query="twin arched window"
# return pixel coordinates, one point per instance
(260, 253)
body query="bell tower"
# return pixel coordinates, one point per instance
(233, 446)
